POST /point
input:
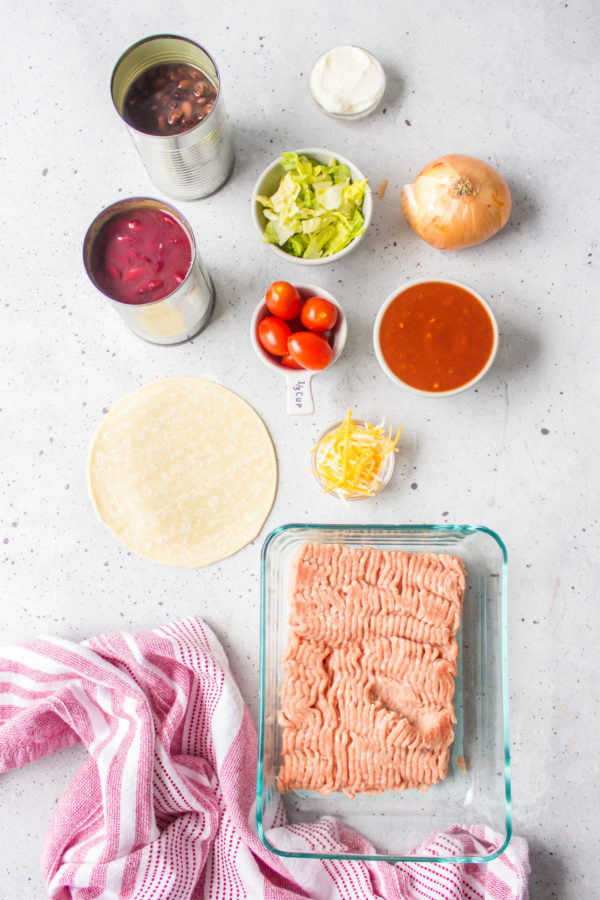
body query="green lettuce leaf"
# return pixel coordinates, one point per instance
(316, 209)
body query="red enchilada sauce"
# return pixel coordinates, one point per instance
(436, 336)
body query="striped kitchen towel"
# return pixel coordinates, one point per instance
(164, 805)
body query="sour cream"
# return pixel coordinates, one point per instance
(347, 81)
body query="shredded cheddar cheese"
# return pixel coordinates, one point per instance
(352, 459)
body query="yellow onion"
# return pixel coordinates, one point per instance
(456, 201)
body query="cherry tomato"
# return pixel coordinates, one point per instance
(273, 334)
(310, 350)
(318, 314)
(295, 324)
(283, 300)
(289, 362)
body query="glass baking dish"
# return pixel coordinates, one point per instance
(397, 822)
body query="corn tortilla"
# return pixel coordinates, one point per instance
(183, 472)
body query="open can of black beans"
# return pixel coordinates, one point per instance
(167, 90)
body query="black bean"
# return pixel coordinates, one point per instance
(166, 89)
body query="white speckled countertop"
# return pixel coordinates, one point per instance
(515, 83)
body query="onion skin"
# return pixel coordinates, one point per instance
(456, 201)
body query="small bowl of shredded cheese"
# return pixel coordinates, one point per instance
(354, 459)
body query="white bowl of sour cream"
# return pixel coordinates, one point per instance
(347, 82)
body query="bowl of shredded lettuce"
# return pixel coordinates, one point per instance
(312, 206)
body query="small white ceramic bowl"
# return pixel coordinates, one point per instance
(349, 116)
(410, 388)
(267, 184)
(299, 393)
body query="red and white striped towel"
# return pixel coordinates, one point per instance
(163, 807)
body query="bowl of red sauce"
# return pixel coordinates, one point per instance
(435, 338)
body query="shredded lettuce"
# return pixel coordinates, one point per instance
(316, 210)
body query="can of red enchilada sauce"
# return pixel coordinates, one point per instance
(167, 90)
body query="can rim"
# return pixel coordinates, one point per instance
(156, 37)
(112, 210)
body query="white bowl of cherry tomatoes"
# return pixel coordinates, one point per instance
(298, 330)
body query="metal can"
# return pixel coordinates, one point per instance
(194, 163)
(178, 316)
